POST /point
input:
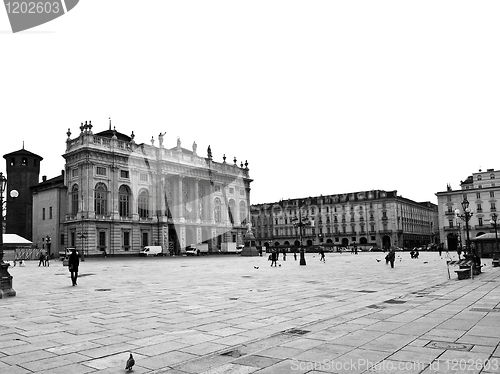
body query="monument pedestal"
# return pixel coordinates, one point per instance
(5, 282)
(250, 249)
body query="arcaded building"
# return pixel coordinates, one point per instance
(124, 195)
(368, 218)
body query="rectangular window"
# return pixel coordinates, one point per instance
(43, 213)
(124, 174)
(126, 240)
(100, 170)
(450, 223)
(231, 190)
(145, 238)
(217, 188)
(480, 221)
(50, 212)
(102, 240)
(478, 195)
(24, 161)
(242, 192)
(448, 198)
(74, 173)
(492, 193)
(72, 239)
(143, 177)
(479, 208)
(493, 207)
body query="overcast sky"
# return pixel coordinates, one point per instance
(321, 97)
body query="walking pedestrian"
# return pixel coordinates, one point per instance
(322, 254)
(440, 249)
(284, 254)
(295, 254)
(47, 260)
(73, 264)
(391, 256)
(274, 257)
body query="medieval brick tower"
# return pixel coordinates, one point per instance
(23, 170)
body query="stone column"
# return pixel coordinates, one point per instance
(210, 199)
(178, 200)
(196, 202)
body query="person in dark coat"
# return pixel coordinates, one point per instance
(73, 263)
(322, 254)
(42, 259)
(391, 257)
(274, 257)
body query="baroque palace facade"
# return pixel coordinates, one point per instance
(482, 190)
(370, 218)
(122, 196)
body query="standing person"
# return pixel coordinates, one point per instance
(274, 257)
(41, 259)
(295, 254)
(284, 254)
(73, 264)
(459, 252)
(440, 249)
(391, 256)
(322, 254)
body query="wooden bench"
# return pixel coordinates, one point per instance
(463, 273)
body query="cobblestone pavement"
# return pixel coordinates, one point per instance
(232, 314)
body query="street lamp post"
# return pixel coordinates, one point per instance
(494, 218)
(47, 241)
(5, 278)
(466, 216)
(301, 222)
(83, 235)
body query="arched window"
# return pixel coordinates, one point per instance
(243, 212)
(231, 210)
(143, 204)
(124, 201)
(101, 199)
(74, 200)
(217, 210)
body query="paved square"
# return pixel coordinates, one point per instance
(232, 314)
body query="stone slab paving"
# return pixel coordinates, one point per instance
(232, 314)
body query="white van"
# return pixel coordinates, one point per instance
(151, 250)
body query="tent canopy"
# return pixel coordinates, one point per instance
(14, 239)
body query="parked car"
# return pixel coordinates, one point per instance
(191, 250)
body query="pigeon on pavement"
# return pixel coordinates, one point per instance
(377, 260)
(255, 267)
(130, 363)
